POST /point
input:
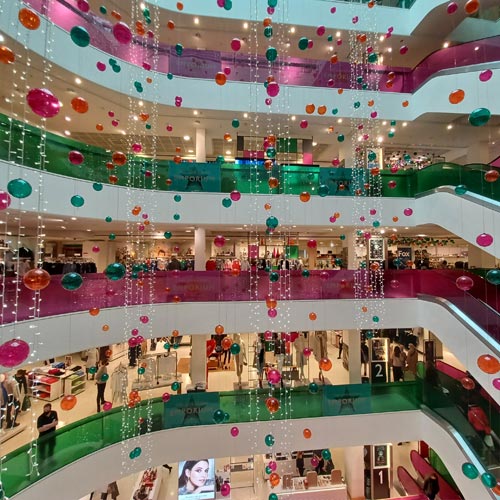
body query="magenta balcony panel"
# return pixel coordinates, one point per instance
(480, 304)
(293, 71)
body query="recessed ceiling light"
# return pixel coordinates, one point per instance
(407, 227)
(384, 123)
(228, 152)
(315, 143)
(78, 81)
(123, 132)
(89, 230)
(421, 235)
(245, 26)
(389, 49)
(195, 112)
(404, 124)
(449, 127)
(196, 20)
(142, 5)
(293, 118)
(187, 138)
(136, 118)
(446, 45)
(245, 115)
(292, 29)
(339, 120)
(382, 231)
(381, 38)
(380, 139)
(140, 103)
(338, 34)
(2, 39)
(67, 132)
(190, 151)
(74, 218)
(67, 118)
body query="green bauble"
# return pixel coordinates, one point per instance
(479, 117)
(460, 189)
(313, 388)
(493, 276)
(326, 455)
(19, 188)
(235, 349)
(470, 470)
(271, 54)
(218, 416)
(80, 36)
(268, 31)
(167, 235)
(274, 277)
(323, 190)
(115, 271)
(77, 201)
(269, 440)
(303, 43)
(226, 202)
(71, 281)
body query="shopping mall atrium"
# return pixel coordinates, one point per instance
(248, 249)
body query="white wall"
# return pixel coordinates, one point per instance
(82, 476)
(58, 335)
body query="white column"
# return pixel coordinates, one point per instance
(354, 341)
(198, 369)
(349, 243)
(201, 147)
(354, 471)
(346, 150)
(200, 248)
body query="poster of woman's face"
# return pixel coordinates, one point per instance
(197, 479)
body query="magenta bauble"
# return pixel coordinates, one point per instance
(122, 33)
(13, 352)
(43, 103)
(5, 200)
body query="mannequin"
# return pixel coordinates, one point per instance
(300, 343)
(241, 358)
(321, 350)
(259, 357)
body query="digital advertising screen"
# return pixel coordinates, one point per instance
(197, 479)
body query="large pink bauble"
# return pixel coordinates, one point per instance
(122, 33)
(75, 157)
(219, 241)
(273, 89)
(235, 431)
(312, 244)
(464, 283)
(43, 103)
(107, 406)
(451, 8)
(484, 240)
(273, 376)
(225, 489)
(13, 352)
(236, 44)
(272, 465)
(306, 352)
(5, 200)
(485, 75)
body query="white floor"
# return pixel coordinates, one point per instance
(218, 381)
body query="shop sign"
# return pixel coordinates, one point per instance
(205, 177)
(350, 399)
(195, 408)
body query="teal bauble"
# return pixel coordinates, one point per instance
(493, 276)
(19, 188)
(115, 271)
(323, 190)
(80, 36)
(274, 277)
(305, 273)
(226, 202)
(479, 117)
(272, 222)
(77, 201)
(97, 186)
(326, 455)
(269, 440)
(460, 189)
(218, 416)
(167, 235)
(470, 471)
(303, 43)
(71, 281)
(313, 388)
(271, 54)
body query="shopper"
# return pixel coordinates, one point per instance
(431, 486)
(10, 399)
(411, 361)
(194, 477)
(91, 362)
(320, 468)
(341, 345)
(174, 264)
(46, 425)
(299, 463)
(365, 355)
(398, 361)
(101, 379)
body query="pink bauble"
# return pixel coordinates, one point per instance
(485, 75)
(273, 89)
(496, 383)
(268, 101)
(394, 284)
(310, 44)
(372, 211)
(111, 114)
(484, 240)
(227, 70)
(165, 397)
(362, 218)
(392, 184)
(13, 352)
(221, 3)
(331, 82)
(335, 162)
(464, 283)
(390, 29)
(373, 114)
(403, 50)
(394, 169)
(115, 123)
(320, 30)
(333, 219)
(107, 406)
(235, 431)
(83, 5)
(273, 376)
(367, 235)
(43, 102)
(141, 227)
(219, 241)
(323, 275)
(136, 147)
(5, 200)
(306, 352)
(236, 44)
(272, 465)
(304, 124)
(96, 249)
(144, 319)
(225, 489)
(140, 339)
(314, 461)
(132, 342)
(75, 157)
(122, 33)
(134, 332)
(268, 335)
(169, 128)
(408, 212)
(145, 216)
(355, 20)
(312, 244)
(451, 8)
(235, 195)
(333, 10)
(272, 313)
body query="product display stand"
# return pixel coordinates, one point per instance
(300, 490)
(151, 480)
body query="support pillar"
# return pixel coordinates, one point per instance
(354, 342)
(349, 251)
(354, 471)
(198, 370)
(346, 151)
(200, 248)
(201, 147)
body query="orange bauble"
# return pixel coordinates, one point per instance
(139, 28)
(395, 219)
(6, 55)
(268, 164)
(374, 266)
(307, 433)
(312, 316)
(219, 329)
(267, 206)
(177, 159)
(136, 210)
(321, 110)
(405, 104)
(456, 96)
(227, 137)
(488, 364)
(29, 19)
(310, 108)
(116, 15)
(371, 103)
(108, 353)
(305, 196)
(80, 105)
(113, 179)
(267, 21)
(144, 117)
(337, 215)
(68, 402)
(271, 139)
(176, 299)
(36, 279)
(119, 158)
(99, 127)
(175, 333)
(272, 404)
(273, 182)
(171, 25)
(471, 7)
(180, 6)
(491, 175)
(226, 343)
(220, 78)
(340, 91)
(271, 302)
(274, 479)
(94, 311)
(334, 59)
(325, 364)
(375, 171)
(361, 38)
(105, 328)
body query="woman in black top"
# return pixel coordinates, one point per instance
(299, 463)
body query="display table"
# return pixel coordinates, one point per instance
(151, 479)
(324, 491)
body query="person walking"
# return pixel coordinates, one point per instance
(101, 379)
(411, 362)
(431, 486)
(46, 425)
(299, 463)
(398, 361)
